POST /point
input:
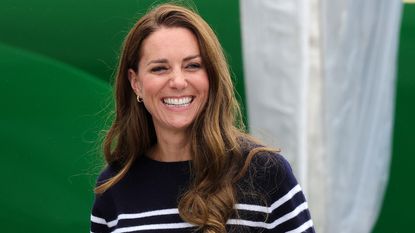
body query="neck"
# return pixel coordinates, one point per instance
(171, 147)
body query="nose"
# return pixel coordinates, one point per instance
(178, 80)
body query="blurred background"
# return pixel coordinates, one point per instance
(329, 82)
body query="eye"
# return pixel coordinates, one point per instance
(193, 66)
(158, 69)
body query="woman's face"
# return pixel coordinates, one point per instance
(171, 78)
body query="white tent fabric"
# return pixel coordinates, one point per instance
(274, 38)
(319, 78)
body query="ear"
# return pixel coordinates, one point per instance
(135, 82)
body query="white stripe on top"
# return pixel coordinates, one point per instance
(302, 228)
(249, 207)
(134, 216)
(272, 225)
(275, 205)
(243, 222)
(98, 220)
(154, 227)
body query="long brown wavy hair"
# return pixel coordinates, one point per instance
(217, 134)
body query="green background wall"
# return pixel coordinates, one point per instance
(397, 213)
(57, 59)
(56, 64)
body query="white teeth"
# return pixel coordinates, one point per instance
(178, 101)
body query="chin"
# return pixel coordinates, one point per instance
(180, 126)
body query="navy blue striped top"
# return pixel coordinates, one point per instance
(146, 199)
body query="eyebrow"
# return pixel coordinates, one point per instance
(157, 61)
(191, 57)
(163, 60)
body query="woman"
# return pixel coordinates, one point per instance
(177, 158)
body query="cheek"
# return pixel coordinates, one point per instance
(148, 93)
(203, 83)
(206, 93)
(149, 87)
(205, 87)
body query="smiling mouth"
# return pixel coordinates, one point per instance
(178, 102)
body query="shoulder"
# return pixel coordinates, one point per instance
(268, 171)
(271, 172)
(103, 199)
(270, 187)
(109, 171)
(265, 164)
(103, 209)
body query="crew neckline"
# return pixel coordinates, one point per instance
(147, 158)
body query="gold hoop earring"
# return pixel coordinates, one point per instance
(139, 99)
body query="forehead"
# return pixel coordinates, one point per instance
(170, 42)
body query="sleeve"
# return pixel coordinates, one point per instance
(288, 207)
(99, 224)
(103, 208)
(277, 204)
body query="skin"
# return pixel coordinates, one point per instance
(171, 70)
